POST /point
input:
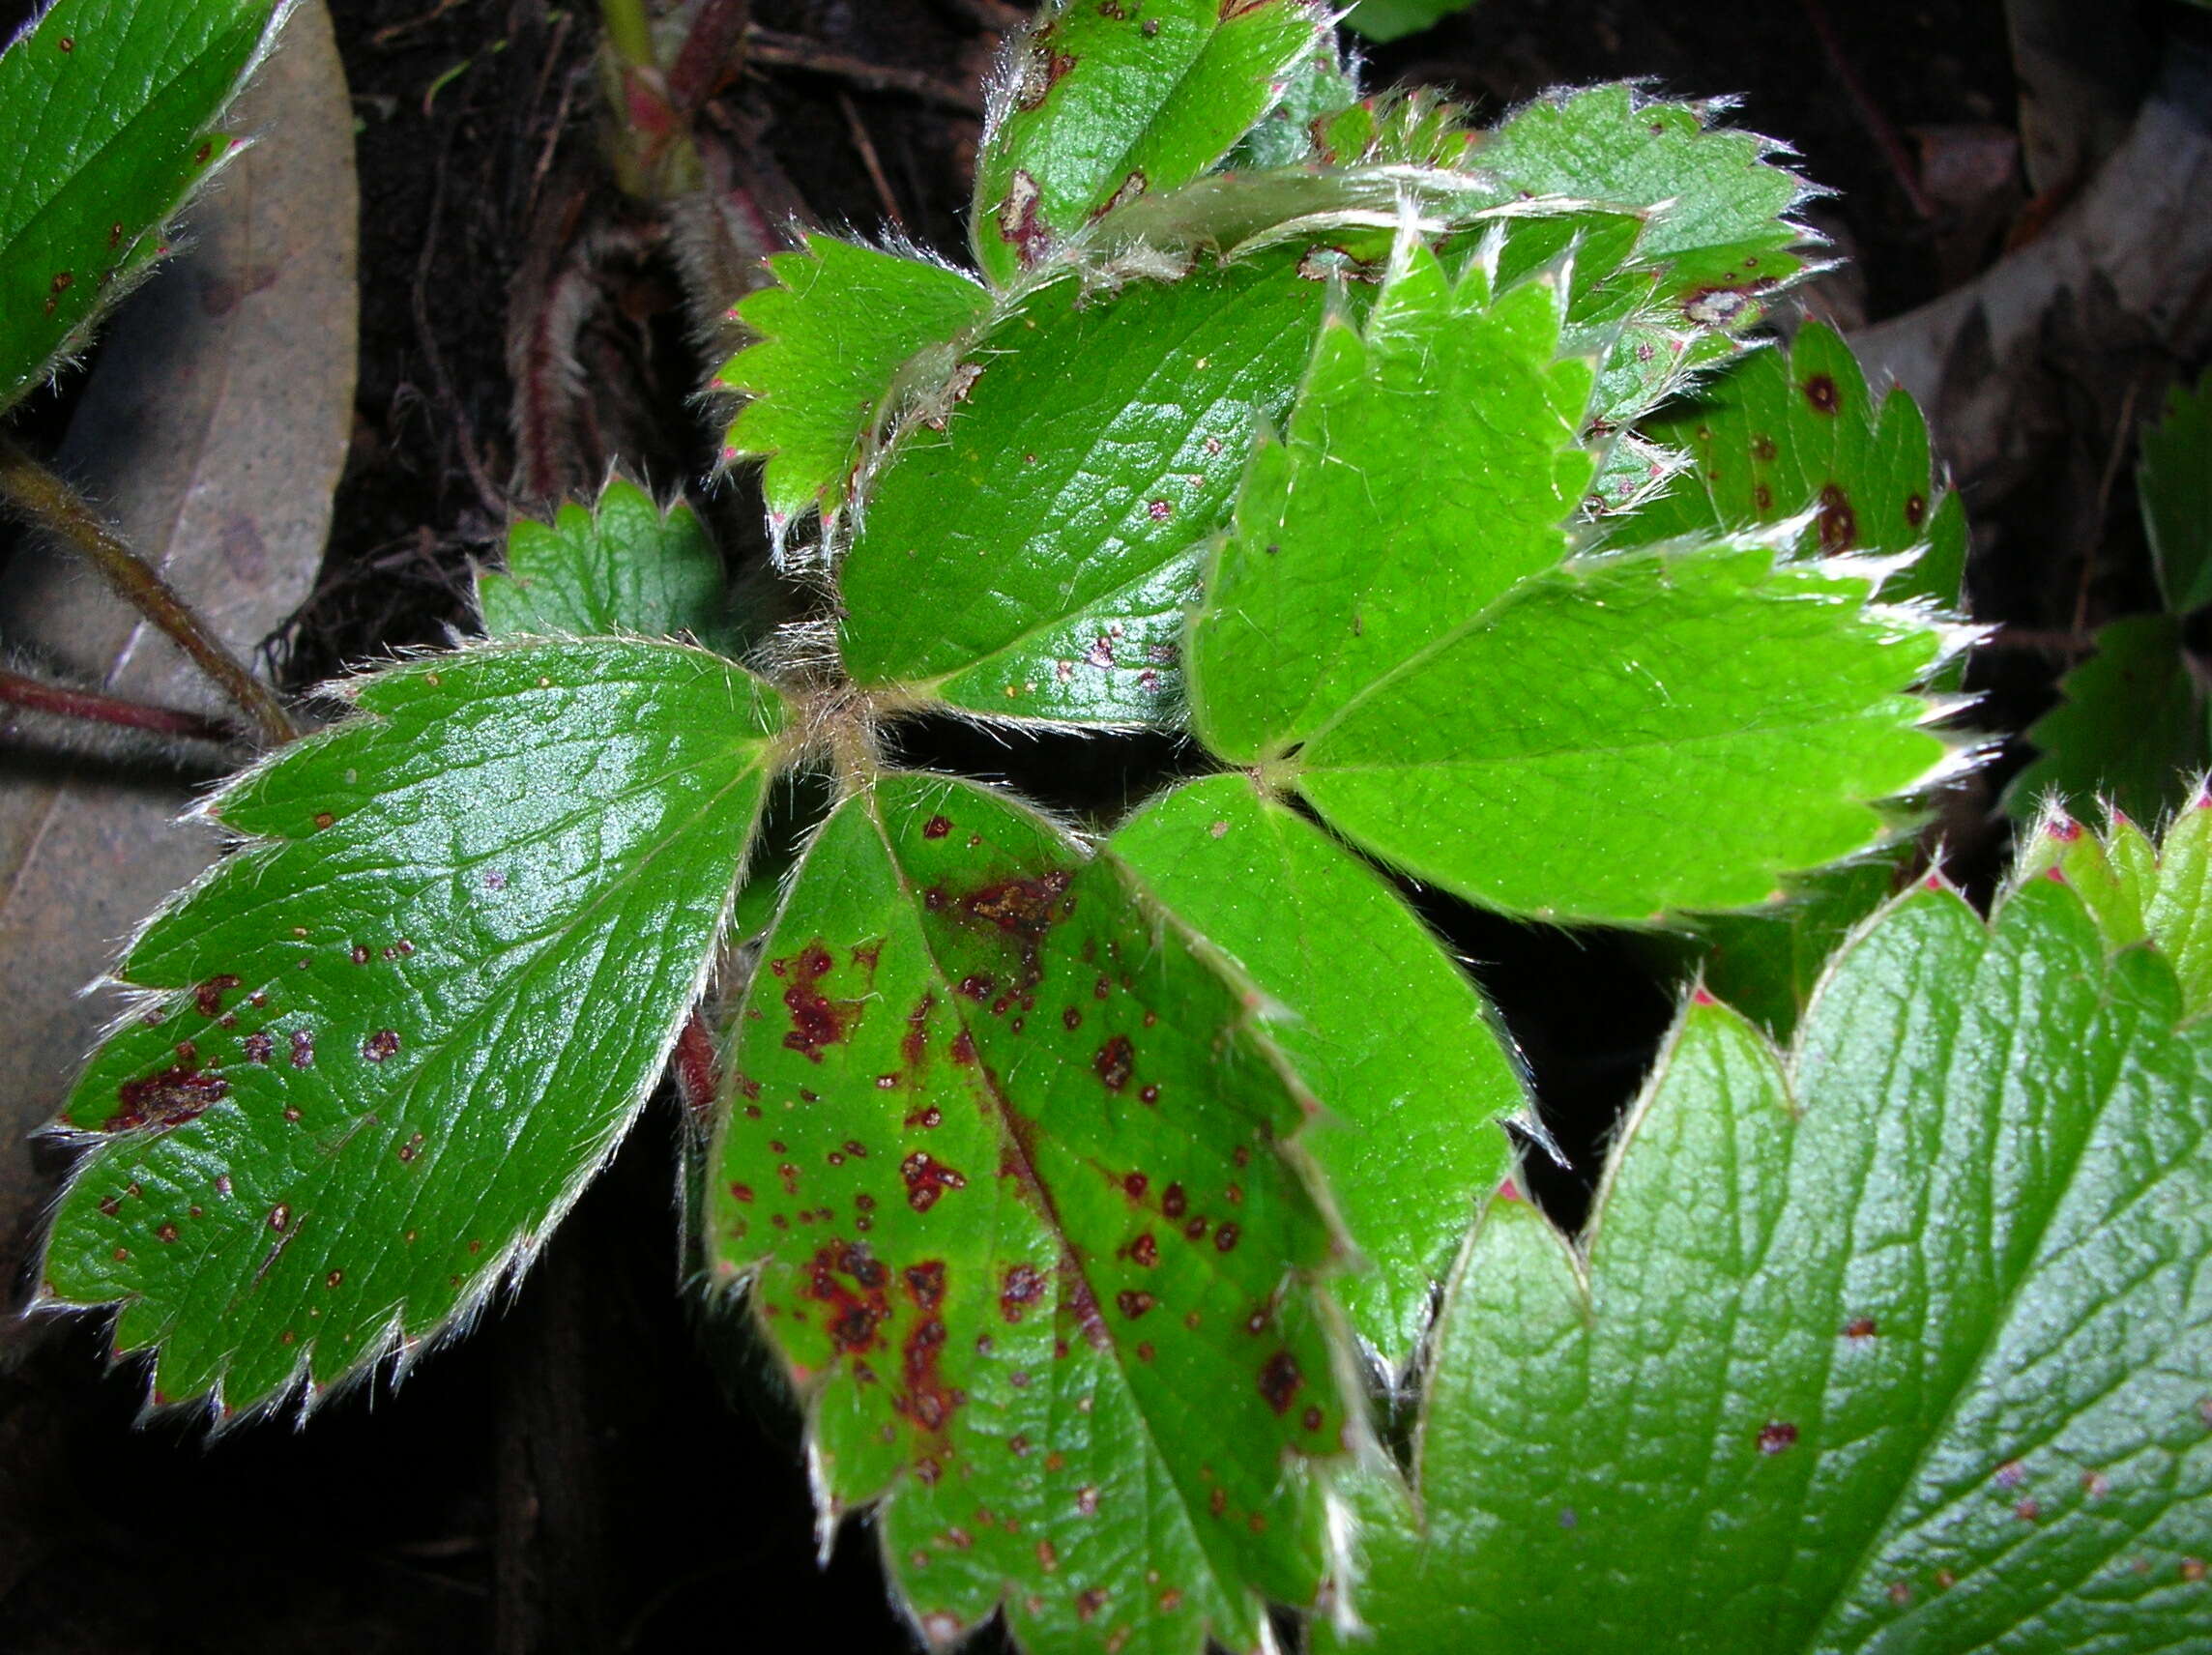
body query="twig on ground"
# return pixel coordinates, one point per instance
(1870, 113)
(796, 51)
(865, 147)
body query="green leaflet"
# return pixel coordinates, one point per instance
(1785, 434)
(106, 115)
(1390, 1034)
(1105, 103)
(1683, 727)
(1010, 1180)
(2130, 726)
(622, 567)
(1347, 559)
(1897, 1342)
(834, 334)
(2174, 483)
(1055, 522)
(384, 1044)
(1719, 205)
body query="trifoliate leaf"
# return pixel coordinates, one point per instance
(834, 335)
(107, 123)
(1012, 1181)
(382, 1047)
(1430, 463)
(1787, 433)
(1389, 627)
(1055, 522)
(622, 568)
(2130, 726)
(1106, 101)
(1390, 1033)
(2174, 483)
(1899, 1342)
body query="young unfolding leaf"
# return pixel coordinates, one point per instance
(1388, 1032)
(621, 567)
(1054, 524)
(834, 335)
(2130, 726)
(1919, 1308)
(2135, 890)
(382, 1047)
(106, 111)
(1010, 1177)
(1106, 101)
(1787, 433)
(1390, 628)
(2174, 483)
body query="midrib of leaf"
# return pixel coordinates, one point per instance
(1232, 1585)
(2007, 1296)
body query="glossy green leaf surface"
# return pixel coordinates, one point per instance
(1786, 433)
(1010, 1180)
(1392, 1035)
(106, 116)
(1897, 1342)
(1034, 559)
(383, 1046)
(2130, 726)
(1104, 103)
(2174, 483)
(834, 331)
(1630, 734)
(622, 568)
(1430, 463)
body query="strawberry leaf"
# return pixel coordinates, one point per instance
(380, 1049)
(1055, 520)
(1012, 1183)
(1104, 103)
(1556, 737)
(622, 567)
(107, 111)
(1918, 1307)
(835, 332)
(1392, 1036)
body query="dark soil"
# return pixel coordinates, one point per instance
(586, 1471)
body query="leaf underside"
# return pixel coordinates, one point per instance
(1010, 1180)
(106, 116)
(383, 1046)
(1919, 1307)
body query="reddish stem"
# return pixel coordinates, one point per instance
(693, 1065)
(1870, 113)
(710, 55)
(17, 690)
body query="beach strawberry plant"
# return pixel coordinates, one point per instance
(1092, 1181)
